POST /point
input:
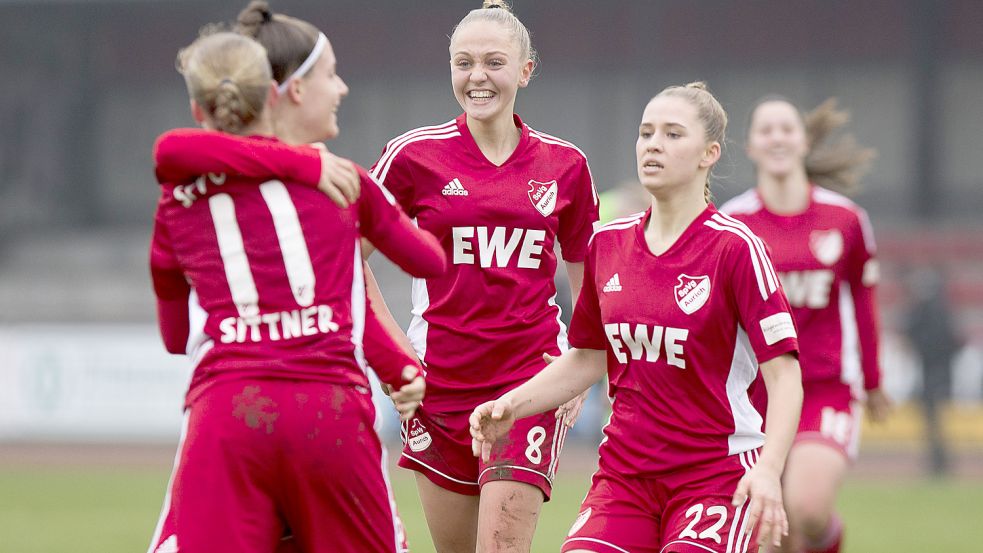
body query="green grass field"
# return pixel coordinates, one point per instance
(44, 509)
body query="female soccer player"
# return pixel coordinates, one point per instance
(681, 305)
(824, 253)
(498, 195)
(279, 420)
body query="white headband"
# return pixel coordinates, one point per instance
(322, 41)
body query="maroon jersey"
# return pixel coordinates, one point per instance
(276, 272)
(684, 333)
(485, 323)
(825, 260)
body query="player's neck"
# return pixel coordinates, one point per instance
(671, 215)
(785, 196)
(497, 138)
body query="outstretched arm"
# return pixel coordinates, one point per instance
(573, 373)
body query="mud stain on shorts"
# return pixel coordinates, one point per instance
(255, 410)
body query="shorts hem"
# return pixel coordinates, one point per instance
(438, 478)
(818, 438)
(525, 475)
(593, 544)
(691, 546)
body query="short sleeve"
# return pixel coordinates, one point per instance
(762, 308)
(586, 326)
(394, 172)
(577, 221)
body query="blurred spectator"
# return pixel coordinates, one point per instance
(933, 336)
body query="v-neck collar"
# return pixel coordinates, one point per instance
(683, 237)
(462, 127)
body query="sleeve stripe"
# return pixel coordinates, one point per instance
(547, 139)
(385, 191)
(761, 249)
(615, 226)
(450, 125)
(381, 168)
(765, 292)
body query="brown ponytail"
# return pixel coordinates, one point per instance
(288, 40)
(835, 161)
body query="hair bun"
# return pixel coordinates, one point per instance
(699, 85)
(489, 4)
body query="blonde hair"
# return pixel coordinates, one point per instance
(498, 11)
(228, 75)
(708, 109)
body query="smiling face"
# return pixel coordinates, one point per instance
(777, 142)
(324, 89)
(487, 70)
(672, 151)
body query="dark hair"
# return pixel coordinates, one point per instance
(835, 160)
(288, 40)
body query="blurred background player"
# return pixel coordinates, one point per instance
(680, 305)
(498, 195)
(279, 419)
(823, 248)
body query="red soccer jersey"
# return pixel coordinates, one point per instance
(485, 323)
(276, 271)
(825, 260)
(684, 333)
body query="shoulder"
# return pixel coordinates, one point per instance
(615, 230)
(558, 146)
(734, 236)
(844, 209)
(743, 204)
(413, 142)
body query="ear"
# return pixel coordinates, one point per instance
(525, 74)
(711, 155)
(272, 95)
(295, 91)
(197, 113)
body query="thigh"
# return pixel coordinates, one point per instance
(619, 514)
(813, 476)
(530, 453)
(333, 490)
(451, 517)
(700, 515)
(220, 493)
(438, 446)
(507, 516)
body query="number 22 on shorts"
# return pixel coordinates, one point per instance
(713, 532)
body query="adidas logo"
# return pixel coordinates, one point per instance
(613, 285)
(454, 188)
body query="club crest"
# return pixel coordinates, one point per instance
(692, 293)
(826, 245)
(543, 196)
(417, 437)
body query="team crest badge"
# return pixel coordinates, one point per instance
(418, 438)
(543, 196)
(692, 293)
(826, 245)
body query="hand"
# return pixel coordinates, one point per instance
(489, 422)
(408, 397)
(339, 178)
(878, 405)
(764, 488)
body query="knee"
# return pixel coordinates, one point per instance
(809, 518)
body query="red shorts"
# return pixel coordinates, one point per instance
(260, 456)
(684, 512)
(438, 445)
(830, 416)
